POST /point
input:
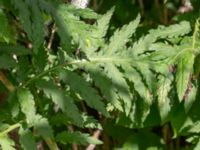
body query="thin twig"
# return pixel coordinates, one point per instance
(53, 31)
(9, 129)
(165, 15)
(97, 4)
(167, 136)
(96, 135)
(51, 144)
(6, 82)
(74, 146)
(141, 7)
(158, 7)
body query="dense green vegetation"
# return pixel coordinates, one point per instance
(120, 75)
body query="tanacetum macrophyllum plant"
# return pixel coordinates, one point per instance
(70, 79)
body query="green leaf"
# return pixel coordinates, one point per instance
(97, 35)
(76, 137)
(9, 49)
(31, 20)
(162, 51)
(122, 36)
(178, 117)
(27, 140)
(107, 87)
(143, 140)
(184, 71)
(197, 65)
(71, 28)
(84, 13)
(40, 123)
(197, 147)
(142, 90)
(6, 61)
(23, 69)
(90, 122)
(14, 105)
(175, 30)
(5, 31)
(24, 15)
(121, 86)
(6, 143)
(64, 101)
(37, 36)
(144, 67)
(41, 59)
(164, 86)
(42, 127)
(27, 104)
(78, 84)
(195, 127)
(103, 24)
(3, 126)
(190, 96)
(161, 32)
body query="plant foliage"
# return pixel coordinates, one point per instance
(91, 77)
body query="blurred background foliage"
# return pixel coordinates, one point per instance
(153, 12)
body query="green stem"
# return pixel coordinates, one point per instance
(92, 60)
(51, 144)
(196, 30)
(9, 129)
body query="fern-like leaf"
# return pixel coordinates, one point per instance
(31, 20)
(164, 86)
(7, 61)
(5, 30)
(162, 32)
(24, 16)
(121, 86)
(27, 140)
(14, 49)
(76, 137)
(107, 87)
(140, 87)
(27, 104)
(42, 127)
(121, 37)
(6, 143)
(40, 123)
(90, 96)
(103, 24)
(64, 102)
(184, 71)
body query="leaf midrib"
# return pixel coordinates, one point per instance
(80, 61)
